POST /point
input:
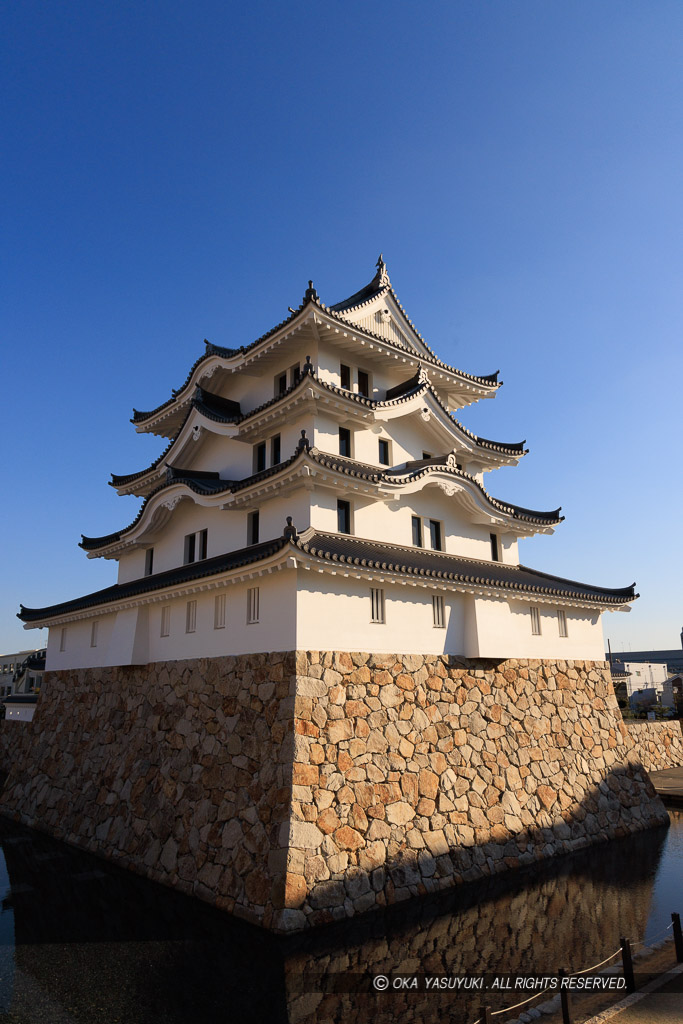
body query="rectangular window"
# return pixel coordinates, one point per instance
(252, 528)
(149, 561)
(260, 457)
(438, 611)
(219, 611)
(435, 535)
(294, 375)
(377, 604)
(281, 384)
(62, 640)
(202, 544)
(252, 605)
(191, 617)
(384, 453)
(93, 633)
(343, 517)
(417, 531)
(363, 383)
(535, 620)
(562, 622)
(345, 442)
(495, 551)
(190, 548)
(165, 621)
(275, 450)
(345, 376)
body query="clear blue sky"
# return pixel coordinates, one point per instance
(178, 170)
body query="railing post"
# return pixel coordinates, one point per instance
(565, 998)
(627, 963)
(678, 937)
(485, 1015)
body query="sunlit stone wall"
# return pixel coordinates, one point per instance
(657, 745)
(296, 789)
(414, 773)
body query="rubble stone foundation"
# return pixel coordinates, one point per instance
(298, 788)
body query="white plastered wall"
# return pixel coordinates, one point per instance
(497, 628)
(132, 636)
(334, 613)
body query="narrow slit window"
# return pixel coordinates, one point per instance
(435, 535)
(294, 375)
(345, 376)
(377, 604)
(343, 517)
(281, 384)
(260, 457)
(191, 617)
(94, 629)
(345, 442)
(62, 640)
(535, 621)
(384, 459)
(219, 611)
(562, 622)
(495, 550)
(438, 611)
(253, 528)
(149, 561)
(165, 621)
(417, 531)
(252, 605)
(190, 548)
(363, 384)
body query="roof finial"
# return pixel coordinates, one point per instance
(382, 275)
(290, 531)
(303, 444)
(311, 293)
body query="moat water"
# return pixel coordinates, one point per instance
(82, 942)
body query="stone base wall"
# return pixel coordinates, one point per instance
(657, 745)
(414, 773)
(296, 789)
(180, 771)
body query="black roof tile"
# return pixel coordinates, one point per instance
(353, 551)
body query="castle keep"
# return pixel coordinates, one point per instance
(323, 681)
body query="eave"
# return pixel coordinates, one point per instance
(312, 468)
(461, 388)
(314, 393)
(339, 555)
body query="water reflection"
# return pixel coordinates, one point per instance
(87, 943)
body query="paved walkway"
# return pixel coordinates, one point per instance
(654, 1004)
(669, 784)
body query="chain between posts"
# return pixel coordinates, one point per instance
(487, 1014)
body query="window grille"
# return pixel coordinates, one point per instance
(165, 620)
(252, 605)
(562, 622)
(191, 617)
(377, 604)
(93, 633)
(535, 620)
(219, 611)
(438, 611)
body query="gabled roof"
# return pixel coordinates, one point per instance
(210, 484)
(359, 554)
(487, 381)
(222, 410)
